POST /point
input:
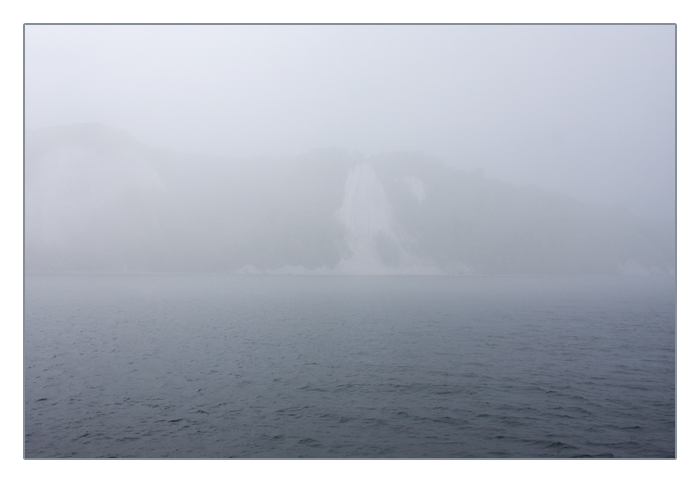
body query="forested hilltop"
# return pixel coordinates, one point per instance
(97, 199)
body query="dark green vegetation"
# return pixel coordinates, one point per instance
(98, 200)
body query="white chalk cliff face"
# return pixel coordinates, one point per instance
(373, 238)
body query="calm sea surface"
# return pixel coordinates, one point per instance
(217, 366)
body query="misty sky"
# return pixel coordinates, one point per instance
(584, 110)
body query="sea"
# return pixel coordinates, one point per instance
(182, 366)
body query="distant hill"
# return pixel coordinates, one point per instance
(96, 199)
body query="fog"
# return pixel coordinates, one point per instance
(350, 149)
(583, 110)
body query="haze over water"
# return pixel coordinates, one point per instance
(350, 241)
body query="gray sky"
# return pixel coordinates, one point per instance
(584, 110)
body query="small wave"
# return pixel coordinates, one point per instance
(309, 442)
(560, 445)
(127, 438)
(601, 455)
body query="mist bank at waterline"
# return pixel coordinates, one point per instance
(98, 200)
